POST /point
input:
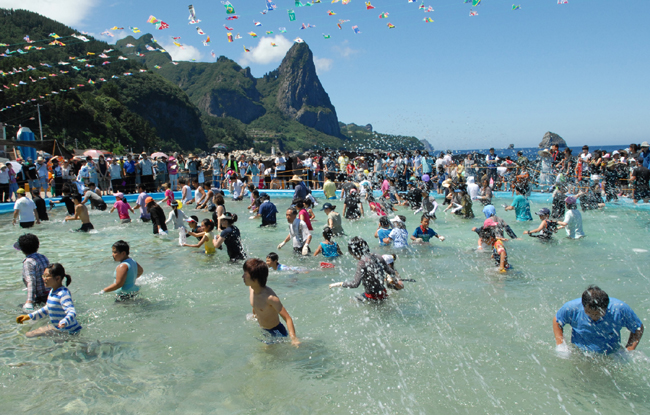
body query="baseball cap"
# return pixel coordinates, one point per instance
(20, 191)
(570, 200)
(148, 200)
(328, 206)
(543, 212)
(191, 219)
(119, 194)
(388, 258)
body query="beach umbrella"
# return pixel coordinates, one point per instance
(16, 166)
(93, 153)
(159, 154)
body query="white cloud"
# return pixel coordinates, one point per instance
(264, 53)
(322, 64)
(178, 54)
(69, 12)
(344, 50)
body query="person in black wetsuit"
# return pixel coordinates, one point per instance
(371, 271)
(231, 237)
(41, 207)
(157, 216)
(546, 229)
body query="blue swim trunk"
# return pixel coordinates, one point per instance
(277, 331)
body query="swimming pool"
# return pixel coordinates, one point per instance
(462, 339)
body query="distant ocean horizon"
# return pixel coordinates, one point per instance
(531, 152)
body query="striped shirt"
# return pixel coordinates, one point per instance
(60, 309)
(33, 267)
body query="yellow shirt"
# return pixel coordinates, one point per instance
(329, 188)
(209, 244)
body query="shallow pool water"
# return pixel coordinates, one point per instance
(462, 339)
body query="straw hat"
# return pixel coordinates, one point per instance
(296, 178)
(446, 183)
(544, 152)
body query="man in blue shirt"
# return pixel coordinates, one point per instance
(644, 155)
(129, 169)
(267, 211)
(596, 321)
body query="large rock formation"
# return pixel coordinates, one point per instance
(550, 139)
(300, 94)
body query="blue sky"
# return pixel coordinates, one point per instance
(501, 77)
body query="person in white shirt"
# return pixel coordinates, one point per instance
(25, 210)
(280, 167)
(472, 188)
(585, 159)
(237, 192)
(43, 174)
(298, 233)
(572, 219)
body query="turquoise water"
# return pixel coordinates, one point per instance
(462, 339)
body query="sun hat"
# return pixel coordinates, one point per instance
(190, 220)
(544, 152)
(296, 178)
(226, 216)
(644, 144)
(148, 200)
(543, 212)
(388, 258)
(446, 183)
(328, 206)
(397, 219)
(119, 194)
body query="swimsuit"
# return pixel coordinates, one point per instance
(277, 331)
(86, 227)
(496, 254)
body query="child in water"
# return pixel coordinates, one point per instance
(206, 239)
(273, 262)
(59, 305)
(122, 207)
(125, 273)
(423, 234)
(546, 229)
(499, 253)
(267, 307)
(328, 248)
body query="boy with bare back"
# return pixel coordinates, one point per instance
(266, 305)
(80, 213)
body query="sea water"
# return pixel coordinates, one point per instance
(461, 339)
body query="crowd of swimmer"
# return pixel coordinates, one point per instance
(595, 319)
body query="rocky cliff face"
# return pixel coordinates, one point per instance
(300, 94)
(550, 139)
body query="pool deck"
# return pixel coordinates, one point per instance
(537, 197)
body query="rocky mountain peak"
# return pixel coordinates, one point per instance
(551, 138)
(301, 96)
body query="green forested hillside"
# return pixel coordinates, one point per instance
(142, 111)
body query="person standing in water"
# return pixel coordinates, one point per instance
(80, 213)
(34, 265)
(267, 307)
(572, 219)
(298, 233)
(59, 307)
(207, 239)
(126, 273)
(596, 321)
(371, 271)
